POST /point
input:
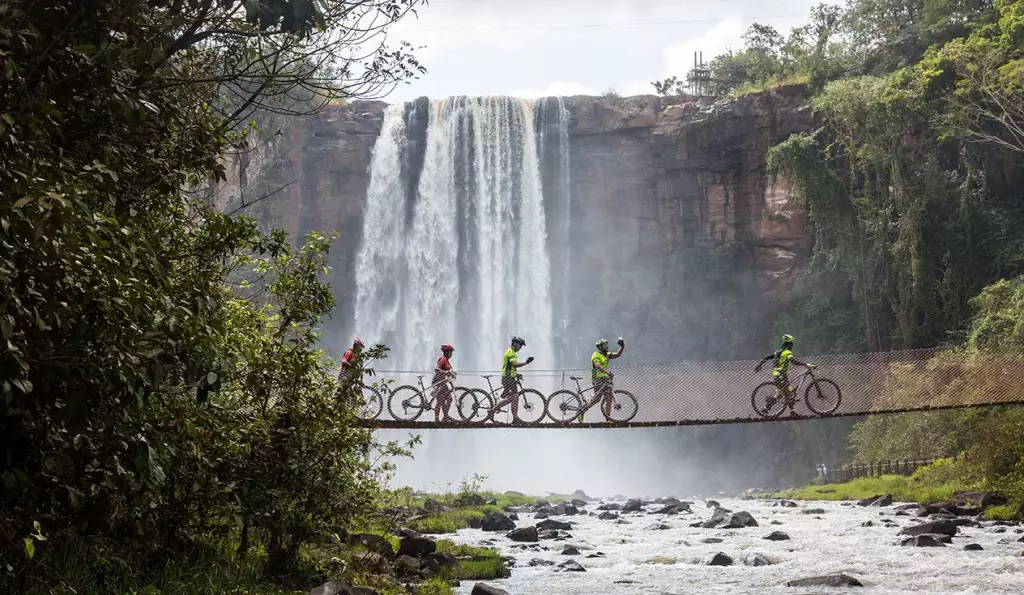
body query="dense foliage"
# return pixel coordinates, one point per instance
(161, 384)
(912, 188)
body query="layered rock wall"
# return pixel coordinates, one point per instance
(654, 182)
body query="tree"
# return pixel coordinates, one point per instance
(157, 354)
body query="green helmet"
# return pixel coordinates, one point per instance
(787, 339)
(601, 343)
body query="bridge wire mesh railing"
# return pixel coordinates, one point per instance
(720, 392)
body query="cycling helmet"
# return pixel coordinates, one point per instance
(787, 339)
(357, 343)
(601, 342)
(447, 347)
(518, 340)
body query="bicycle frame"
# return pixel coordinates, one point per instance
(491, 390)
(587, 405)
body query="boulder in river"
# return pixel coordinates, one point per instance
(718, 517)
(338, 588)
(485, 589)
(831, 580)
(570, 550)
(712, 540)
(940, 527)
(524, 534)
(540, 562)
(814, 511)
(610, 506)
(719, 559)
(607, 516)
(776, 536)
(565, 509)
(571, 566)
(973, 547)
(437, 562)
(495, 521)
(553, 524)
(416, 546)
(879, 500)
(657, 527)
(673, 509)
(922, 541)
(632, 505)
(981, 500)
(757, 560)
(712, 504)
(581, 495)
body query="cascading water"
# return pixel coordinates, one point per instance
(464, 257)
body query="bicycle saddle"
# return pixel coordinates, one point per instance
(422, 376)
(487, 376)
(575, 378)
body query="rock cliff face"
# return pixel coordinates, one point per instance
(680, 240)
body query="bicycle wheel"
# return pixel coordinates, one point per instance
(532, 406)
(407, 403)
(624, 406)
(372, 405)
(766, 400)
(473, 403)
(825, 397)
(564, 406)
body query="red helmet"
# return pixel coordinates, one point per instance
(357, 343)
(447, 347)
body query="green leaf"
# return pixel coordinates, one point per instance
(22, 202)
(30, 547)
(211, 378)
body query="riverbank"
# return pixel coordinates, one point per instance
(941, 482)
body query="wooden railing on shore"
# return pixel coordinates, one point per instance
(855, 471)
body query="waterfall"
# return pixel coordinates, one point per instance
(455, 238)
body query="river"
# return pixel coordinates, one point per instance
(673, 560)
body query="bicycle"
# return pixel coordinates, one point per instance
(572, 405)
(532, 402)
(373, 403)
(407, 403)
(817, 402)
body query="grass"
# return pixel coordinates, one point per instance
(476, 563)
(903, 489)
(793, 79)
(450, 521)
(1005, 512)
(435, 586)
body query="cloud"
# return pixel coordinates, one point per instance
(677, 58)
(557, 88)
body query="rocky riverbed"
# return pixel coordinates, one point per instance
(671, 546)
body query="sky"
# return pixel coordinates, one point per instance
(536, 48)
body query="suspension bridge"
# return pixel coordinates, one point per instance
(705, 393)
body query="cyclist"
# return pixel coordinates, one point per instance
(510, 379)
(783, 358)
(442, 388)
(348, 359)
(601, 377)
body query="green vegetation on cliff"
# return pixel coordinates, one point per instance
(915, 228)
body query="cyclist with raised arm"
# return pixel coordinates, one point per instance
(442, 389)
(783, 358)
(510, 379)
(602, 377)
